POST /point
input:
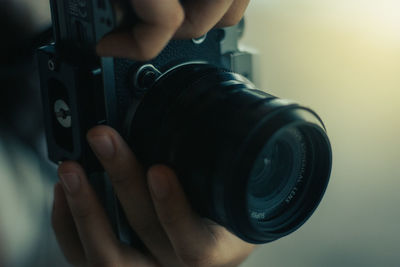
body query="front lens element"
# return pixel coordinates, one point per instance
(278, 169)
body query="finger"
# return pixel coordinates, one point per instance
(65, 230)
(158, 22)
(234, 14)
(201, 16)
(95, 233)
(197, 241)
(191, 238)
(128, 179)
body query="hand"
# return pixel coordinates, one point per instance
(162, 20)
(156, 208)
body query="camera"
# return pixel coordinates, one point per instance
(254, 163)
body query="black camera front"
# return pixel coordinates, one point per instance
(252, 162)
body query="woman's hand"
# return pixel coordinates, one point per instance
(162, 20)
(156, 208)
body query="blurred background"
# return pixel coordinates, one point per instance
(342, 58)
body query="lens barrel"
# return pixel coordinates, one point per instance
(254, 163)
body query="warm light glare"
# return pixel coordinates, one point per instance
(341, 58)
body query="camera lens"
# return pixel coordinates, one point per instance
(283, 195)
(276, 171)
(252, 162)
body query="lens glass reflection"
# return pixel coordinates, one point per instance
(276, 172)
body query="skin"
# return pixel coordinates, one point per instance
(153, 200)
(163, 20)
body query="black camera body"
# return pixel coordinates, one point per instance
(94, 91)
(81, 90)
(254, 163)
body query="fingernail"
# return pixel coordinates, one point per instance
(103, 146)
(71, 182)
(159, 185)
